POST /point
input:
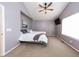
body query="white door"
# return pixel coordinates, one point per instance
(2, 31)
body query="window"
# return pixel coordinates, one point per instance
(70, 26)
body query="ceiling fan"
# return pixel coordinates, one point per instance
(45, 7)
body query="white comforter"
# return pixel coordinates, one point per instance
(29, 37)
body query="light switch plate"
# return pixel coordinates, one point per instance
(8, 29)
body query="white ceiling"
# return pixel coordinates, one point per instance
(33, 8)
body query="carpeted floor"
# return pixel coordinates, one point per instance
(55, 48)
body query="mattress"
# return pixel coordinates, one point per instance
(28, 37)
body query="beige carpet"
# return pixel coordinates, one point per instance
(55, 48)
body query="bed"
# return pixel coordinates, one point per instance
(34, 37)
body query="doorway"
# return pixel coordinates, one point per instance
(2, 31)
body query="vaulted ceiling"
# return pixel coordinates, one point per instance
(33, 8)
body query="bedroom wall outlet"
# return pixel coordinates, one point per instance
(70, 41)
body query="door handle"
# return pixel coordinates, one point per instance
(1, 33)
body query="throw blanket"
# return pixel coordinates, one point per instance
(36, 37)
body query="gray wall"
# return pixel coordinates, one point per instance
(26, 20)
(71, 9)
(44, 25)
(12, 23)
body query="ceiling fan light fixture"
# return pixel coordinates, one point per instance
(45, 7)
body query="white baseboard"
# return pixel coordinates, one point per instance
(12, 49)
(68, 44)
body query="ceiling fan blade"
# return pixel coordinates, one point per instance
(40, 10)
(50, 9)
(49, 4)
(41, 6)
